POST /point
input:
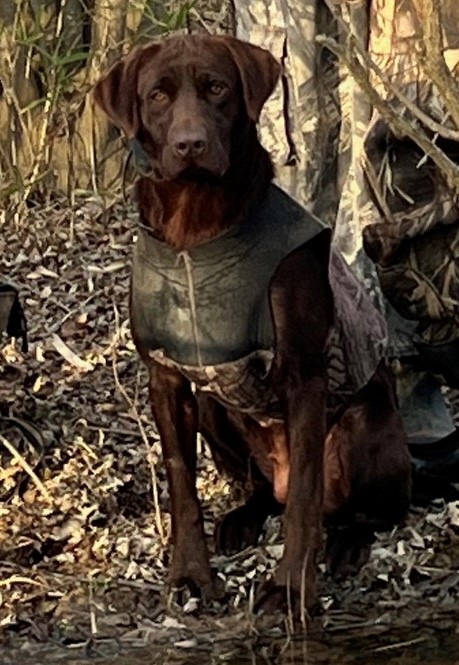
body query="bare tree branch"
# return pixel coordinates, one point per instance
(418, 113)
(432, 57)
(403, 127)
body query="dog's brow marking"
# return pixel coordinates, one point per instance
(187, 262)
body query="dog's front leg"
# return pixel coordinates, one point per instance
(294, 582)
(305, 419)
(175, 412)
(302, 311)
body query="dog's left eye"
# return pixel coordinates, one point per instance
(158, 96)
(216, 88)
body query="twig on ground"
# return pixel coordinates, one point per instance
(137, 418)
(27, 468)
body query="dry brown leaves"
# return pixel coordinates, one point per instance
(83, 553)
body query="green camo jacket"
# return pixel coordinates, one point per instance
(206, 311)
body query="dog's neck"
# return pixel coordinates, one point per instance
(186, 214)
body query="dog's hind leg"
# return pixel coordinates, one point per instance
(371, 445)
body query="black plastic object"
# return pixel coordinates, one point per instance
(12, 318)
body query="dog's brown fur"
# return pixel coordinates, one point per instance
(193, 103)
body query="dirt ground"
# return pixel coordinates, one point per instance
(84, 517)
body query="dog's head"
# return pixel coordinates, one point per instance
(183, 97)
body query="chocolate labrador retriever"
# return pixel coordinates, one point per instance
(235, 290)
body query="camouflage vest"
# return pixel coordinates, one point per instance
(206, 311)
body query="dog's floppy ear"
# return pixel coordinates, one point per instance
(259, 72)
(116, 92)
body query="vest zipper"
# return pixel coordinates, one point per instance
(188, 263)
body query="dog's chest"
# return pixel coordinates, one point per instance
(210, 305)
(206, 312)
(202, 310)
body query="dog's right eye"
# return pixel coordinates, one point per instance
(159, 96)
(216, 88)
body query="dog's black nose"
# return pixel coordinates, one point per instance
(190, 144)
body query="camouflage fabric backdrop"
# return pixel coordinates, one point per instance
(324, 137)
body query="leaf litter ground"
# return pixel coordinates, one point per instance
(84, 519)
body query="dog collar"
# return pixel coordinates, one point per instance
(139, 158)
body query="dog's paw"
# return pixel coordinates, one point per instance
(238, 529)
(283, 600)
(185, 588)
(191, 579)
(348, 549)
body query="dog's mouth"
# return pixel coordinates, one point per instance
(208, 168)
(198, 174)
